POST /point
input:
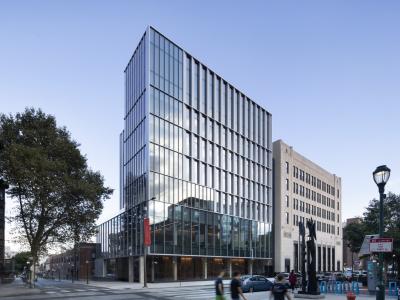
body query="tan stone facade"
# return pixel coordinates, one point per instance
(303, 190)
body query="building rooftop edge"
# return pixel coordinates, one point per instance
(280, 141)
(202, 63)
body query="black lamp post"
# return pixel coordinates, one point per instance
(87, 271)
(381, 176)
(393, 274)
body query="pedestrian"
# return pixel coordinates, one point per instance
(219, 287)
(279, 289)
(292, 280)
(236, 287)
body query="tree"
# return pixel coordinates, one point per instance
(21, 260)
(353, 235)
(59, 198)
(391, 221)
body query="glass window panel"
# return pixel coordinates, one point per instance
(195, 122)
(216, 155)
(203, 125)
(203, 150)
(223, 104)
(210, 129)
(186, 168)
(195, 171)
(188, 79)
(195, 146)
(209, 176)
(210, 153)
(186, 117)
(195, 103)
(186, 146)
(202, 173)
(210, 94)
(203, 91)
(217, 101)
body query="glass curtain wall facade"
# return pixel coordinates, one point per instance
(196, 160)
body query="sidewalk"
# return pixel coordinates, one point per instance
(122, 285)
(16, 288)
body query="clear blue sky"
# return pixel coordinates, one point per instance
(328, 71)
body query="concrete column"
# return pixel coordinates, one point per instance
(251, 267)
(130, 266)
(175, 268)
(230, 268)
(141, 269)
(205, 268)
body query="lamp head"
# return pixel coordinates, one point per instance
(381, 176)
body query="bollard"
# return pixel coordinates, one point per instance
(322, 287)
(355, 287)
(338, 289)
(392, 288)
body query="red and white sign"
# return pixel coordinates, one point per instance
(146, 231)
(381, 245)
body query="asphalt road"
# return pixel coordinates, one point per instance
(55, 290)
(64, 290)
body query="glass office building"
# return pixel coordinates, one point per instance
(196, 159)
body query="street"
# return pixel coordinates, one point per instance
(52, 289)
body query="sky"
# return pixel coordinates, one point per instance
(328, 71)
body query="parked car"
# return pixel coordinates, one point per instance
(339, 276)
(255, 283)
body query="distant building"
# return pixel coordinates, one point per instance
(78, 263)
(303, 190)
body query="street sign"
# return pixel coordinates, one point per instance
(381, 245)
(146, 229)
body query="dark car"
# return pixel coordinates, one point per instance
(255, 283)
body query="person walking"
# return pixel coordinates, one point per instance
(236, 287)
(279, 290)
(219, 287)
(292, 280)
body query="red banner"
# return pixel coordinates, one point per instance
(146, 233)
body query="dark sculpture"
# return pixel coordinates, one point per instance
(312, 286)
(309, 286)
(302, 232)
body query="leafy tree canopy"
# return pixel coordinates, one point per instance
(21, 260)
(59, 198)
(391, 220)
(353, 236)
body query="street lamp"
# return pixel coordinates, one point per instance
(381, 176)
(393, 275)
(72, 272)
(29, 273)
(87, 271)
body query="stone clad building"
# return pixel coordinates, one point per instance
(303, 190)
